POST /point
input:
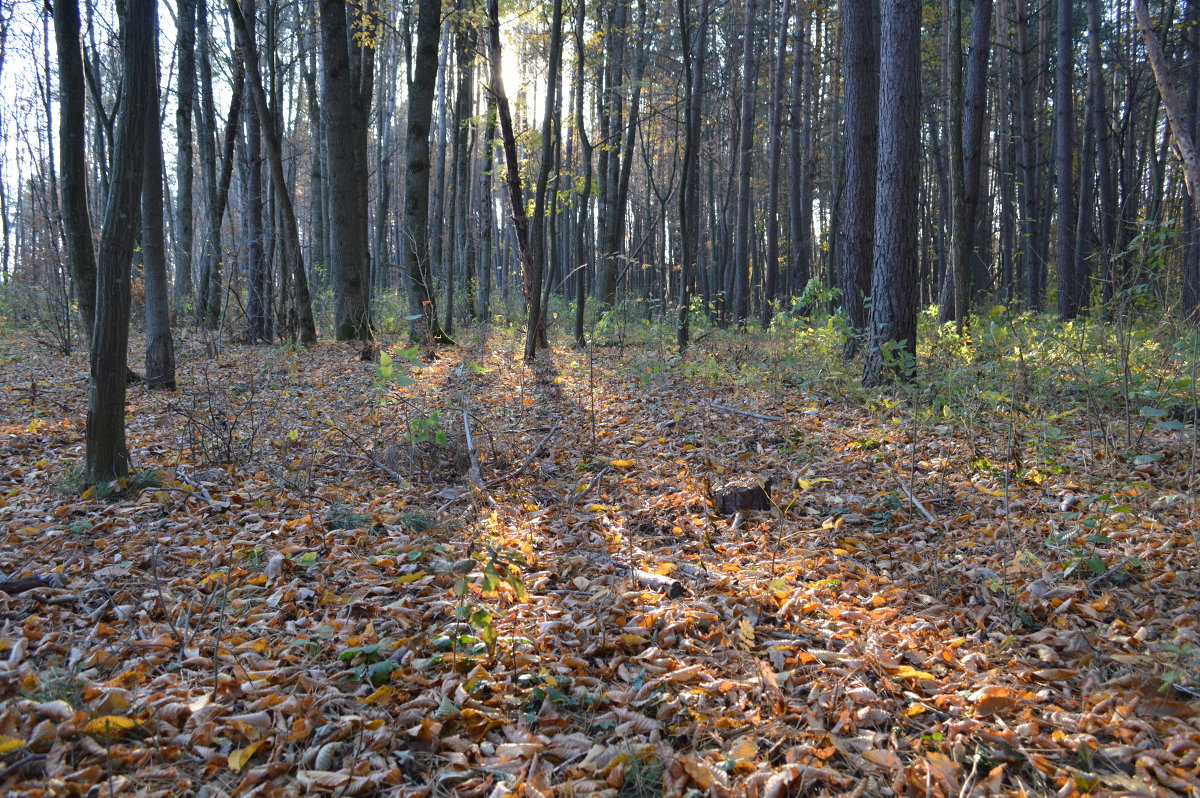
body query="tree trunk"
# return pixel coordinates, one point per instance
(76, 218)
(1064, 153)
(892, 346)
(291, 238)
(536, 325)
(160, 349)
(416, 182)
(186, 90)
(107, 456)
(855, 229)
(692, 46)
(252, 199)
(346, 93)
(771, 276)
(741, 248)
(529, 269)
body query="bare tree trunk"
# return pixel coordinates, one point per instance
(692, 46)
(107, 456)
(536, 336)
(185, 92)
(771, 274)
(529, 269)
(894, 282)
(347, 89)
(416, 181)
(160, 349)
(1064, 120)
(855, 230)
(292, 256)
(76, 218)
(741, 247)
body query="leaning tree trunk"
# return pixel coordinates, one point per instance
(107, 456)
(76, 219)
(893, 320)
(529, 269)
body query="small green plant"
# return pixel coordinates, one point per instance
(343, 516)
(74, 483)
(387, 373)
(1184, 661)
(368, 663)
(417, 521)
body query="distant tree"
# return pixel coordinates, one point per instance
(160, 347)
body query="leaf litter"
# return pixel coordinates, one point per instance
(336, 585)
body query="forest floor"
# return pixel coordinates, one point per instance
(325, 588)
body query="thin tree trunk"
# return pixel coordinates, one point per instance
(536, 336)
(771, 277)
(185, 92)
(291, 238)
(1064, 119)
(160, 349)
(76, 218)
(741, 254)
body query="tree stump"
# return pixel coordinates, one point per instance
(739, 497)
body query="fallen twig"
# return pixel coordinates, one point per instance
(916, 502)
(537, 450)
(745, 412)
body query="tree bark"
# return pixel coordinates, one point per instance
(893, 319)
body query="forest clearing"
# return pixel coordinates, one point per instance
(312, 583)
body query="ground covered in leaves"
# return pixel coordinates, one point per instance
(457, 575)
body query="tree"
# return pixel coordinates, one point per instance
(741, 247)
(415, 244)
(107, 457)
(346, 93)
(892, 342)
(771, 278)
(160, 348)
(530, 269)
(77, 224)
(860, 65)
(536, 336)
(292, 257)
(1064, 156)
(186, 90)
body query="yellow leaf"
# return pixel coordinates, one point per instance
(10, 744)
(633, 640)
(914, 710)
(623, 463)
(805, 484)
(381, 695)
(239, 758)
(90, 493)
(404, 580)
(909, 672)
(107, 724)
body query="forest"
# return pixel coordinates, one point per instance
(619, 398)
